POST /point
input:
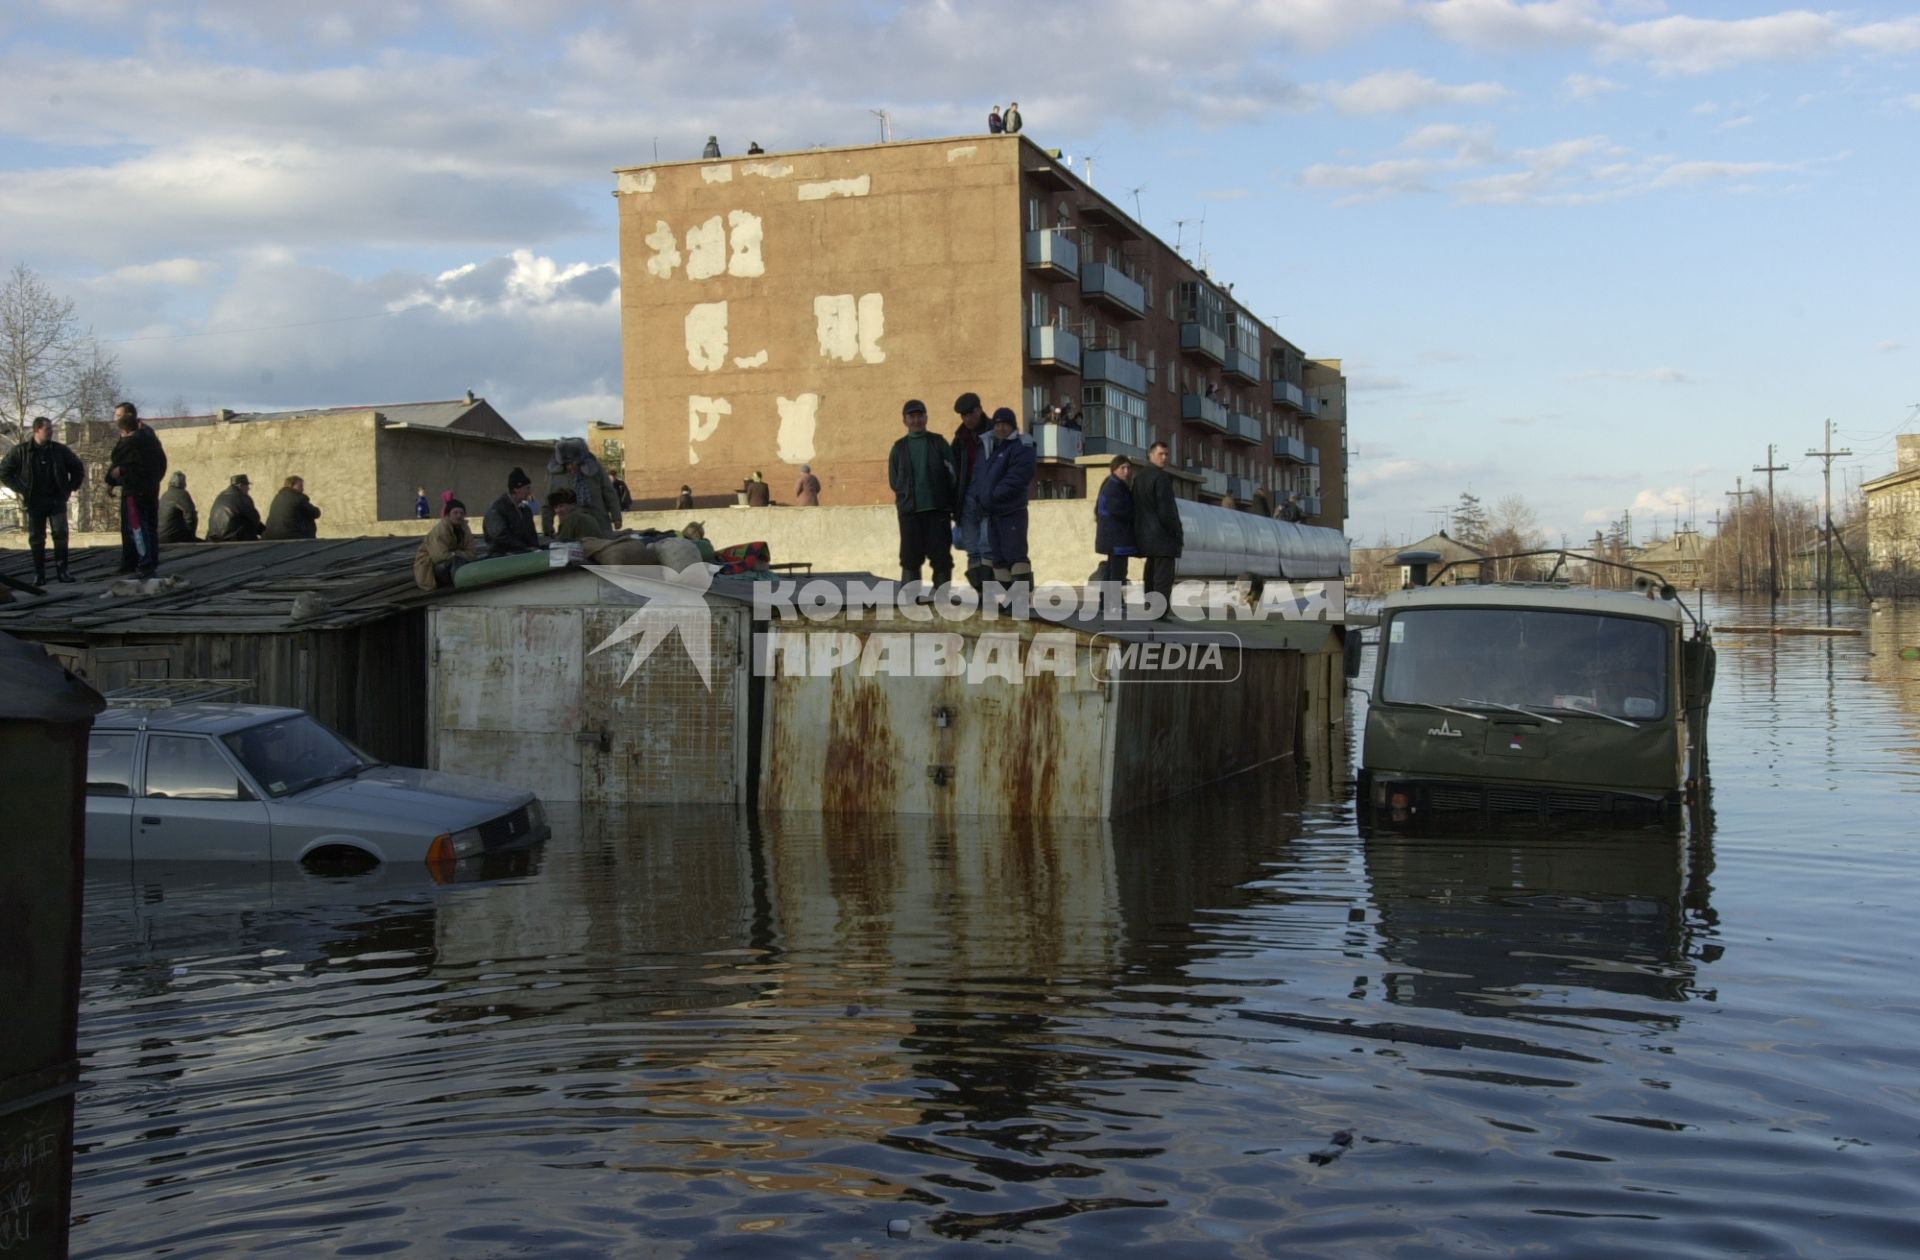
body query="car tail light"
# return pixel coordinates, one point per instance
(440, 857)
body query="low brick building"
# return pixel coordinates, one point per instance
(361, 464)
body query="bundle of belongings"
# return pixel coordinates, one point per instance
(749, 559)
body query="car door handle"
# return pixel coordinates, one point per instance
(149, 820)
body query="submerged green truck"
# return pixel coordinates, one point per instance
(1499, 702)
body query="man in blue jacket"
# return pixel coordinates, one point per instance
(1008, 478)
(1113, 535)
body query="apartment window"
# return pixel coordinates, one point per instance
(1153, 366)
(1036, 403)
(1033, 214)
(1037, 309)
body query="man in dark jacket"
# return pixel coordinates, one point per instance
(574, 468)
(234, 517)
(179, 518)
(292, 514)
(920, 472)
(972, 443)
(137, 466)
(509, 526)
(1156, 524)
(44, 473)
(1008, 481)
(1113, 535)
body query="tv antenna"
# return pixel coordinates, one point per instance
(886, 124)
(1179, 236)
(1135, 192)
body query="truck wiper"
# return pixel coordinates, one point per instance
(1567, 708)
(1511, 708)
(1428, 704)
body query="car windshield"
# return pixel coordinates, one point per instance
(294, 754)
(1554, 662)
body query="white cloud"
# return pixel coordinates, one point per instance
(1584, 87)
(1889, 346)
(1694, 174)
(1388, 472)
(1661, 502)
(1404, 91)
(1658, 375)
(1744, 120)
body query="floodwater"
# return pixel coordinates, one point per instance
(1229, 1028)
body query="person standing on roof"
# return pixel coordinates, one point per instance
(1013, 120)
(1008, 480)
(972, 443)
(447, 546)
(1156, 524)
(713, 148)
(759, 493)
(179, 518)
(292, 514)
(806, 491)
(995, 124)
(920, 473)
(508, 525)
(422, 510)
(137, 466)
(574, 468)
(686, 498)
(234, 517)
(1113, 532)
(45, 474)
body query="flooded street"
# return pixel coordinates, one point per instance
(1229, 1027)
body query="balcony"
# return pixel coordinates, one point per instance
(1053, 441)
(1288, 394)
(1203, 342)
(1243, 427)
(1292, 448)
(1113, 287)
(1241, 488)
(1213, 482)
(1116, 369)
(1313, 406)
(1111, 431)
(1309, 505)
(1051, 251)
(1243, 365)
(1053, 349)
(1203, 413)
(1313, 456)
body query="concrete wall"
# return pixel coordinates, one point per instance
(334, 453)
(475, 469)
(779, 310)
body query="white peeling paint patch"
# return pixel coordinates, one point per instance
(717, 174)
(965, 150)
(703, 417)
(706, 249)
(635, 182)
(873, 322)
(767, 170)
(847, 328)
(750, 361)
(744, 233)
(666, 251)
(836, 188)
(707, 336)
(837, 323)
(797, 419)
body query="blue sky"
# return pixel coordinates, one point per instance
(1595, 254)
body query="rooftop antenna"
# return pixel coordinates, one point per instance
(1135, 190)
(1179, 236)
(1200, 245)
(886, 124)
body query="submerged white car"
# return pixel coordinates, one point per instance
(244, 782)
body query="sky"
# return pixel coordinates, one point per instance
(1595, 253)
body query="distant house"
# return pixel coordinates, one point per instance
(1377, 571)
(1681, 559)
(361, 464)
(1893, 510)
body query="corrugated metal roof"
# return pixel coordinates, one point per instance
(231, 588)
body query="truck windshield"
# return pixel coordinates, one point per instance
(1551, 661)
(293, 754)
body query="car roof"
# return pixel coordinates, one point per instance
(1575, 599)
(202, 718)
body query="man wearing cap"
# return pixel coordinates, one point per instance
(920, 471)
(45, 474)
(179, 517)
(447, 546)
(234, 517)
(1007, 479)
(972, 443)
(509, 525)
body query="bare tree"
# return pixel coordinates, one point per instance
(1514, 526)
(48, 366)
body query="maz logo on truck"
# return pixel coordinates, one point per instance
(1443, 730)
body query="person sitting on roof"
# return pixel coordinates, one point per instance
(292, 514)
(234, 517)
(570, 523)
(447, 546)
(509, 525)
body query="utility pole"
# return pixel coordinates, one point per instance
(1773, 545)
(1740, 534)
(1829, 455)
